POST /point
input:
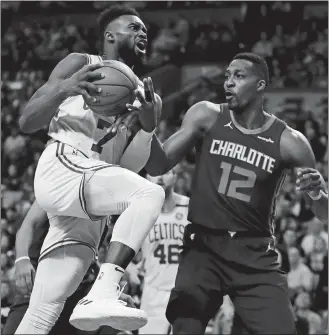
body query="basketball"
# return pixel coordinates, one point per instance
(118, 87)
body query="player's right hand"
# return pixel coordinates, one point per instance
(80, 83)
(127, 120)
(24, 276)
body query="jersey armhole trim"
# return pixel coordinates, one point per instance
(221, 112)
(286, 164)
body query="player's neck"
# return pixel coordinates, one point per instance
(252, 117)
(111, 54)
(169, 203)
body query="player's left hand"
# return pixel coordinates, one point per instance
(310, 180)
(150, 108)
(128, 299)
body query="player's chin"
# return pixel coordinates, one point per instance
(232, 104)
(140, 53)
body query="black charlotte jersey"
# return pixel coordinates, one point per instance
(238, 174)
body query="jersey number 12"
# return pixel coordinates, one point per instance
(228, 186)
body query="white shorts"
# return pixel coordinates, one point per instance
(67, 183)
(60, 179)
(68, 230)
(154, 303)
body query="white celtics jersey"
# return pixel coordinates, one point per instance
(75, 124)
(161, 247)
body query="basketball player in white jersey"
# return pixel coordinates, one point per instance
(72, 183)
(160, 252)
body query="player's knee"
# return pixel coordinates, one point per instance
(153, 193)
(158, 193)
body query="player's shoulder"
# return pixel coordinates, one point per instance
(294, 146)
(203, 114)
(182, 200)
(291, 137)
(208, 107)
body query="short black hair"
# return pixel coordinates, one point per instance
(257, 60)
(112, 13)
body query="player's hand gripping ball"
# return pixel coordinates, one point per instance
(118, 86)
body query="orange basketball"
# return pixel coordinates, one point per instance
(118, 87)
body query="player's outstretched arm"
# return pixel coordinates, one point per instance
(24, 271)
(164, 156)
(297, 152)
(148, 112)
(70, 77)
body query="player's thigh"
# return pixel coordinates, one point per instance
(109, 191)
(59, 274)
(198, 288)
(154, 303)
(15, 317)
(59, 180)
(265, 307)
(69, 228)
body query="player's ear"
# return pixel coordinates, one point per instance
(109, 36)
(261, 85)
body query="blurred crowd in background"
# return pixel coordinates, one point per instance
(295, 46)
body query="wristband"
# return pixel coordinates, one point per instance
(21, 258)
(318, 197)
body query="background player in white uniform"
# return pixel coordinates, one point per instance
(160, 252)
(70, 183)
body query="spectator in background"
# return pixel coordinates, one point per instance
(13, 181)
(320, 46)
(264, 46)
(14, 144)
(320, 302)
(300, 276)
(164, 45)
(315, 235)
(182, 31)
(320, 75)
(315, 263)
(302, 309)
(289, 238)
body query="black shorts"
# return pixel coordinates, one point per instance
(245, 267)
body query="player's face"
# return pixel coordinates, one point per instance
(166, 181)
(241, 83)
(130, 36)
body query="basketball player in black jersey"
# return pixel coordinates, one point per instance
(243, 154)
(29, 240)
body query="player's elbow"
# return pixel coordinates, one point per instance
(24, 125)
(155, 169)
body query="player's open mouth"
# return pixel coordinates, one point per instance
(229, 95)
(141, 45)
